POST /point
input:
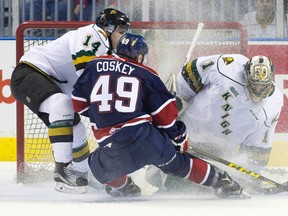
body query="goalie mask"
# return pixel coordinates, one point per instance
(259, 75)
(134, 47)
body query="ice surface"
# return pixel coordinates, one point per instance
(42, 200)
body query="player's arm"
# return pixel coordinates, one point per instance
(88, 45)
(190, 81)
(258, 144)
(194, 76)
(165, 113)
(81, 89)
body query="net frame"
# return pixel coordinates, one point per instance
(20, 129)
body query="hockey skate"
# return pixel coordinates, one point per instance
(226, 187)
(69, 180)
(130, 189)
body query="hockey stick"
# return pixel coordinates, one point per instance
(189, 53)
(171, 83)
(193, 43)
(278, 188)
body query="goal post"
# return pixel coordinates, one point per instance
(168, 44)
(21, 48)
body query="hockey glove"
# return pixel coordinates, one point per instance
(181, 143)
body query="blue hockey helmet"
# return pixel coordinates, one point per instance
(112, 19)
(134, 47)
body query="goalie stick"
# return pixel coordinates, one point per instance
(171, 85)
(193, 43)
(278, 188)
(188, 55)
(171, 82)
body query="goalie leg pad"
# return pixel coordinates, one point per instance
(156, 177)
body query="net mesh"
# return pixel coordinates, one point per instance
(168, 46)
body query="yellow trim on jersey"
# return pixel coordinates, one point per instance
(83, 59)
(192, 77)
(103, 33)
(38, 70)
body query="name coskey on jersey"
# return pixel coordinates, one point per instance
(114, 66)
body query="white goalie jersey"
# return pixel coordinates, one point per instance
(64, 59)
(219, 108)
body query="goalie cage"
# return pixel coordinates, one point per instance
(168, 46)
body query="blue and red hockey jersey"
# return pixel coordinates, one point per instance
(115, 93)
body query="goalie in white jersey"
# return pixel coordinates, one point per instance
(44, 79)
(232, 105)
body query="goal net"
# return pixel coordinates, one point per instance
(168, 45)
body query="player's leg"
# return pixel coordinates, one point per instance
(119, 156)
(202, 173)
(61, 118)
(123, 186)
(110, 169)
(33, 89)
(81, 149)
(194, 169)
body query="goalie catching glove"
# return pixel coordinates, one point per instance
(181, 143)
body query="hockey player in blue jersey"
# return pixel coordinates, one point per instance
(134, 120)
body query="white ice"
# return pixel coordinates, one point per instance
(42, 200)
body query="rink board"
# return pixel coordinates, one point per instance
(278, 158)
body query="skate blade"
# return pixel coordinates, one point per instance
(64, 188)
(244, 195)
